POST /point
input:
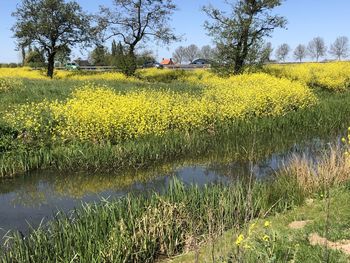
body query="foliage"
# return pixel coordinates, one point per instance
(99, 56)
(239, 35)
(51, 25)
(35, 59)
(134, 22)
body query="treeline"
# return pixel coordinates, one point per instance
(316, 49)
(239, 35)
(118, 56)
(56, 26)
(190, 53)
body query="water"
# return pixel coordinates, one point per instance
(34, 198)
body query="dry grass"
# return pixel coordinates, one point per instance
(333, 168)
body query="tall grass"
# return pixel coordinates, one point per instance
(141, 228)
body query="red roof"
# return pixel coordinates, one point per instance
(166, 61)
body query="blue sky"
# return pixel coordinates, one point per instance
(306, 19)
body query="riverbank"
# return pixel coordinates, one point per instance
(318, 231)
(181, 219)
(265, 135)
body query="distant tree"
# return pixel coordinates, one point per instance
(317, 48)
(135, 22)
(239, 34)
(282, 52)
(114, 48)
(300, 52)
(63, 55)
(266, 52)
(207, 52)
(191, 53)
(121, 59)
(99, 56)
(21, 46)
(179, 54)
(51, 25)
(340, 48)
(35, 58)
(144, 57)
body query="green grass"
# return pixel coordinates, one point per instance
(143, 228)
(286, 243)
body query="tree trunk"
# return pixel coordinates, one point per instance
(50, 65)
(239, 63)
(132, 62)
(23, 55)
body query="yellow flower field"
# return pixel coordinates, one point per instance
(98, 113)
(333, 76)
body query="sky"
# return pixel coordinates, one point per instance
(306, 20)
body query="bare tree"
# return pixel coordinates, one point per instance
(340, 48)
(179, 54)
(191, 53)
(135, 22)
(239, 34)
(207, 52)
(317, 48)
(282, 52)
(300, 52)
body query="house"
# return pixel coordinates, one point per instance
(167, 62)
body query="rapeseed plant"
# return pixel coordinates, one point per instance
(98, 113)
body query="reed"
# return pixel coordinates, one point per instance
(142, 228)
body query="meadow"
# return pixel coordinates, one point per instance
(107, 122)
(48, 123)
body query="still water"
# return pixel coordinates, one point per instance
(28, 200)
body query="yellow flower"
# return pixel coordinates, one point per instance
(98, 113)
(266, 238)
(267, 224)
(239, 240)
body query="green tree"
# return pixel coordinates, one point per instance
(63, 55)
(52, 25)
(114, 48)
(145, 57)
(99, 56)
(135, 22)
(239, 34)
(35, 58)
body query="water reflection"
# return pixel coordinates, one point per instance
(30, 198)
